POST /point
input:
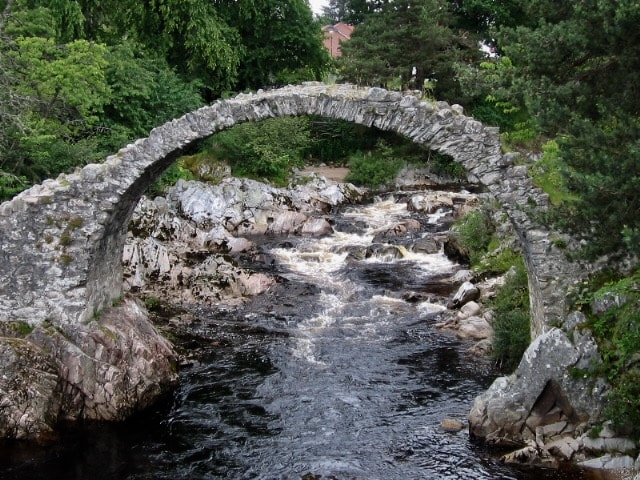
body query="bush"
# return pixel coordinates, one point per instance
(475, 231)
(549, 173)
(511, 323)
(170, 177)
(265, 150)
(617, 332)
(376, 168)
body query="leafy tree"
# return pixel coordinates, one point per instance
(145, 91)
(576, 70)
(409, 42)
(265, 150)
(352, 11)
(280, 42)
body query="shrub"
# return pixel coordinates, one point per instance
(511, 323)
(549, 173)
(170, 176)
(617, 332)
(376, 168)
(265, 150)
(475, 231)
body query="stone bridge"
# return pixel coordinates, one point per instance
(65, 353)
(61, 241)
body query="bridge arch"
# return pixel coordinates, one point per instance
(61, 241)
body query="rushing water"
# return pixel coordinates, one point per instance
(332, 375)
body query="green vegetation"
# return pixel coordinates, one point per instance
(511, 323)
(511, 318)
(408, 43)
(374, 168)
(80, 79)
(617, 331)
(265, 150)
(475, 232)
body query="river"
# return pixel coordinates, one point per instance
(331, 375)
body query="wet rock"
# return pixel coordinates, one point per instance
(531, 456)
(384, 251)
(482, 348)
(398, 230)
(316, 227)
(451, 425)
(454, 250)
(430, 203)
(466, 293)
(428, 245)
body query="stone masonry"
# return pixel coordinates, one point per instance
(61, 241)
(61, 247)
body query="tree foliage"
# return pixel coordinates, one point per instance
(80, 78)
(407, 43)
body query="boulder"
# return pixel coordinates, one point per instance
(451, 425)
(470, 309)
(105, 369)
(540, 391)
(316, 227)
(466, 293)
(430, 203)
(476, 328)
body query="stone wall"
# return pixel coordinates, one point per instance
(61, 241)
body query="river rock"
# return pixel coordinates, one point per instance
(482, 348)
(428, 245)
(469, 309)
(316, 227)
(505, 413)
(476, 328)
(467, 292)
(105, 369)
(451, 425)
(429, 203)
(454, 250)
(177, 246)
(400, 229)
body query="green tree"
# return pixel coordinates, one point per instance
(576, 70)
(265, 150)
(407, 43)
(279, 41)
(351, 11)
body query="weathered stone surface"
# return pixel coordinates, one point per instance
(466, 293)
(476, 328)
(30, 396)
(180, 242)
(105, 369)
(62, 240)
(541, 391)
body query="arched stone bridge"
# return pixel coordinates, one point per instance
(61, 241)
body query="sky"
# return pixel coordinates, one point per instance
(316, 5)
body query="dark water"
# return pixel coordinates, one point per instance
(330, 375)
